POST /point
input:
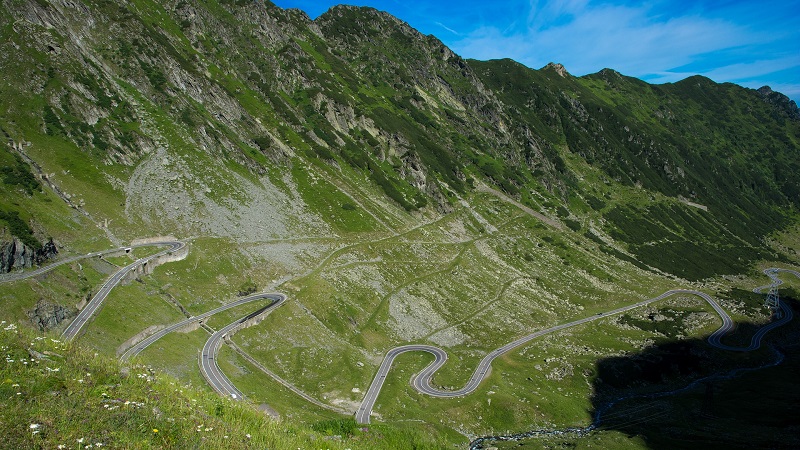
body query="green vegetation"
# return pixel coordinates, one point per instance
(642, 135)
(667, 322)
(247, 288)
(330, 203)
(681, 240)
(19, 228)
(345, 164)
(17, 173)
(132, 406)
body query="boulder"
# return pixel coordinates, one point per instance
(47, 316)
(15, 255)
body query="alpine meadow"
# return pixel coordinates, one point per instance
(226, 225)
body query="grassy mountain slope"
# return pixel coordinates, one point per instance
(395, 191)
(133, 407)
(670, 139)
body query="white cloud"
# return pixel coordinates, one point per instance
(738, 72)
(586, 38)
(448, 28)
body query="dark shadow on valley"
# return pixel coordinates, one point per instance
(688, 394)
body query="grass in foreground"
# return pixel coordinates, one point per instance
(59, 395)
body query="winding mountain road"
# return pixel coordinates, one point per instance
(422, 381)
(150, 340)
(22, 275)
(208, 364)
(94, 304)
(208, 357)
(15, 276)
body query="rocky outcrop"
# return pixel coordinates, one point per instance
(781, 102)
(48, 251)
(559, 69)
(15, 255)
(47, 316)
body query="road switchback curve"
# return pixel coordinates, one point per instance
(208, 357)
(94, 304)
(151, 339)
(422, 381)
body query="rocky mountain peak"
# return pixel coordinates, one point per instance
(780, 101)
(609, 73)
(365, 19)
(261, 86)
(558, 68)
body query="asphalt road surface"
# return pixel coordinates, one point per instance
(21, 275)
(94, 304)
(208, 357)
(422, 381)
(150, 340)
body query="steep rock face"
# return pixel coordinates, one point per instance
(166, 103)
(434, 87)
(782, 103)
(15, 255)
(47, 316)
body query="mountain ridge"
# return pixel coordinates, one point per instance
(396, 192)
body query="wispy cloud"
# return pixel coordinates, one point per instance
(656, 40)
(639, 39)
(448, 29)
(739, 72)
(587, 38)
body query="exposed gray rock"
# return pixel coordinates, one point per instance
(558, 68)
(47, 316)
(16, 255)
(781, 102)
(48, 251)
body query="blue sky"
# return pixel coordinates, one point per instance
(751, 43)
